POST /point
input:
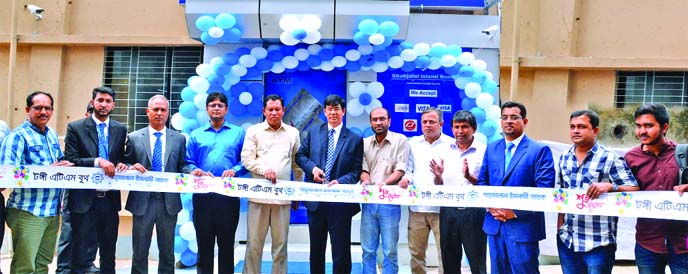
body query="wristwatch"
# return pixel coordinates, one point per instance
(615, 187)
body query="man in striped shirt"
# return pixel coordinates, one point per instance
(587, 243)
(32, 214)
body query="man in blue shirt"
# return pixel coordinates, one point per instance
(215, 150)
(32, 214)
(587, 243)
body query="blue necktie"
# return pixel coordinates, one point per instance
(102, 142)
(157, 152)
(330, 154)
(507, 154)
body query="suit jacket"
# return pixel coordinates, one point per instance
(531, 165)
(139, 151)
(81, 148)
(346, 168)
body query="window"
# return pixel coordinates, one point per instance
(663, 87)
(138, 73)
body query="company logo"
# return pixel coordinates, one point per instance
(289, 190)
(228, 184)
(423, 92)
(21, 173)
(410, 125)
(422, 107)
(98, 178)
(401, 108)
(444, 108)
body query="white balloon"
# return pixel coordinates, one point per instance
(314, 49)
(448, 61)
(339, 61)
(177, 122)
(290, 62)
(245, 126)
(489, 75)
(356, 89)
(373, 105)
(328, 46)
(259, 52)
(188, 232)
(352, 55)
(302, 54)
(461, 82)
(493, 112)
(395, 62)
(216, 32)
(354, 107)
(216, 60)
(245, 98)
(199, 84)
(439, 44)
(277, 67)
(409, 55)
(312, 37)
(479, 65)
(375, 89)
(434, 64)
(193, 246)
(248, 60)
(238, 70)
(380, 67)
(484, 100)
(202, 117)
(472, 89)
(289, 23)
(204, 70)
(326, 66)
(287, 39)
(365, 49)
(480, 137)
(366, 68)
(232, 79)
(422, 48)
(376, 39)
(199, 100)
(465, 58)
(311, 23)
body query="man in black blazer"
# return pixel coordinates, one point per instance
(155, 208)
(331, 154)
(96, 141)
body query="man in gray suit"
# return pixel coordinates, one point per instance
(155, 148)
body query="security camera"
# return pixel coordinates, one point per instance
(36, 11)
(492, 30)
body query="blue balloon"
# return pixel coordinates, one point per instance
(215, 80)
(406, 45)
(494, 138)
(356, 130)
(256, 106)
(237, 89)
(478, 113)
(368, 26)
(275, 55)
(365, 99)
(468, 103)
(438, 51)
(237, 108)
(361, 38)
(264, 65)
(176, 231)
(187, 202)
(389, 28)
(488, 127)
(490, 86)
(205, 22)
(188, 109)
(188, 94)
(288, 50)
(367, 132)
(252, 73)
(221, 69)
(209, 40)
(225, 20)
(313, 61)
(381, 56)
(394, 50)
(180, 245)
(188, 257)
(454, 50)
(353, 66)
(479, 77)
(299, 34)
(232, 35)
(256, 89)
(190, 124)
(230, 59)
(326, 54)
(408, 66)
(340, 49)
(452, 70)
(242, 51)
(303, 66)
(422, 62)
(367, 60)
(466, 71)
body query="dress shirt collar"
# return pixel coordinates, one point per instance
(95, 120)
(473, 146)
(36, 129)
(210, 127)
(337, 129)
(267, 126)
(516, 141)
(593, 150)
(151, 131)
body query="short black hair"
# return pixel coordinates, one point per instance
(29, 98)
(657, 110)
(512, 104)
(272, 97)
(333, 100)
(465, 117)
(216, 96)
(371, 112)
(592, 116)
(89, 108)
(106, 90)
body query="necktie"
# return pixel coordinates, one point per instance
(507, 154)
(102, 142)
(157, 152)
(330, 153)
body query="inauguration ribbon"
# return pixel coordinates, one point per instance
(648, 204)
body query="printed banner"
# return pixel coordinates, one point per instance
(650, 204)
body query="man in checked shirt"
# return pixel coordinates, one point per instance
(587, 243)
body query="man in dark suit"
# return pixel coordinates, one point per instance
(331, 154)
(516, 161)
(96, 141)
(155, 148)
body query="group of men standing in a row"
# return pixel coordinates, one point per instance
(331, 154)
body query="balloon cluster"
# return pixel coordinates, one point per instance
(185, 233)
(295, 30)
(221, 28)
(380, 35)
(365, 97)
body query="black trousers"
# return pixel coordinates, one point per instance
(215, 217)
(321, 222)
(463, 229)
(64, 243)
(95, 228)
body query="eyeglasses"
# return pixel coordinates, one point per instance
(510, 117)
(40, 108)
(217, 105)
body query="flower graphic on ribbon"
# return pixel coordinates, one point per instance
(560, 196)
(413, 193)
(21, 173)
(623, 200)
(366, 193)
(228, 184)
(181, 181)
(365, 97)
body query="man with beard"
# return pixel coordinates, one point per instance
(269, 152)
(658, 242)
(385, 156)
(461, 228)
(426, 155)
(515, 161)
(96, 141)
(587, 243)
(215, 150)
